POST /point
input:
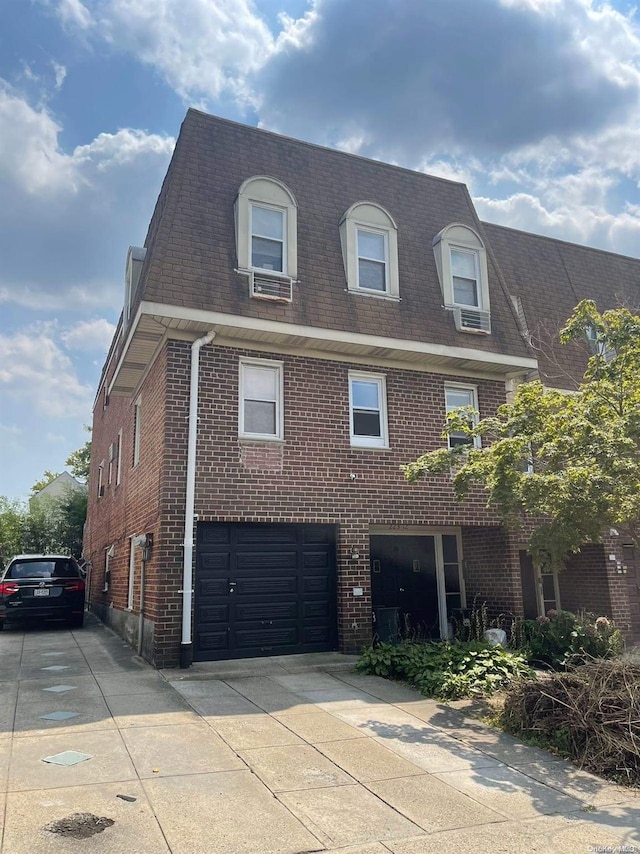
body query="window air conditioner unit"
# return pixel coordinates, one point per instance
(472, 320)
(270, 286)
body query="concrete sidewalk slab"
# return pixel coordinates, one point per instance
(255, 766)
(433, 805)
(110, 761)
(182, 749)
(252, 731)
(509, 792)
(294, 767)
(318, 726)
(135, 829)
(347, 815)
(226, 813)
(366, 760)
(145, 710)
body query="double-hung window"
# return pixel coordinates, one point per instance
(372, 260)
(268, 243)
(456, 397)
(465, 278)
(261, 399)
(368, 411)
(369, 240)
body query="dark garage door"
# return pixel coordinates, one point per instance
(264, 589)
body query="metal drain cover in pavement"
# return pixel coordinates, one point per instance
(67, 758)
(60, 689)
(59, 716)
(56, 667)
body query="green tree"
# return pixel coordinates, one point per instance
(11, 529)
(79, 461)
(568, 463)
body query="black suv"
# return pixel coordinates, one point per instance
(43, 587)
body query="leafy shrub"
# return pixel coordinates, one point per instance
(590, 713)
(445, 670)
(561, 637)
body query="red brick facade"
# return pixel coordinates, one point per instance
(190, 283)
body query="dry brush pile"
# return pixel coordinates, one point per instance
(590, 713)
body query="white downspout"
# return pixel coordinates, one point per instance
(186, 646)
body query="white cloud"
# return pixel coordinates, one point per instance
(201, 48)
(89, 335)
(74, 13)
(35, 370)
(67, 219)
(60, 74)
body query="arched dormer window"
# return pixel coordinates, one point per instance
(266, 228)
(461, 260)
(369, 238)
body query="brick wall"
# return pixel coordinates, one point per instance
(307, 479)
(132, 507)
(492, 570)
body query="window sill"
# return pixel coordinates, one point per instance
(260, 440)
(363, 293)
(369, 447)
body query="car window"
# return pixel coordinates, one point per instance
(43, 569)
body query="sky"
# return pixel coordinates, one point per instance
(534, 104)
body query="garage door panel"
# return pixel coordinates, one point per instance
(316, 610)
(316, 584)
(318, 534)
(206, 614)
(259, 535)
(266, 611)
(212, 587)
(316, 635)
(264, 561)
(216, 641)
(266, 586)
(214, 534)
(316, 560)
(214, 561)
(267, 638)
(264, 589)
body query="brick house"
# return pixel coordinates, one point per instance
(294, 329)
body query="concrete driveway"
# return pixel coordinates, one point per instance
(275, 761)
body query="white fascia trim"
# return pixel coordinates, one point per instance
(133, 325)
(216, 318)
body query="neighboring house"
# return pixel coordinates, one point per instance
(59, 487)
(295, 328)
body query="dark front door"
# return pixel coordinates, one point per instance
(403, 576)
(264, 589)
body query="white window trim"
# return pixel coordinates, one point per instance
(137, 418)
(369, 216)
(108, 554)
(283, 211)
(100, 474)
(440, 578)
(265, 191)
(372, 442)
(458, 236)
(132, 572)
(278, 367)
(474, 390)
(385, 235)
(476, 263)
(119, 462)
